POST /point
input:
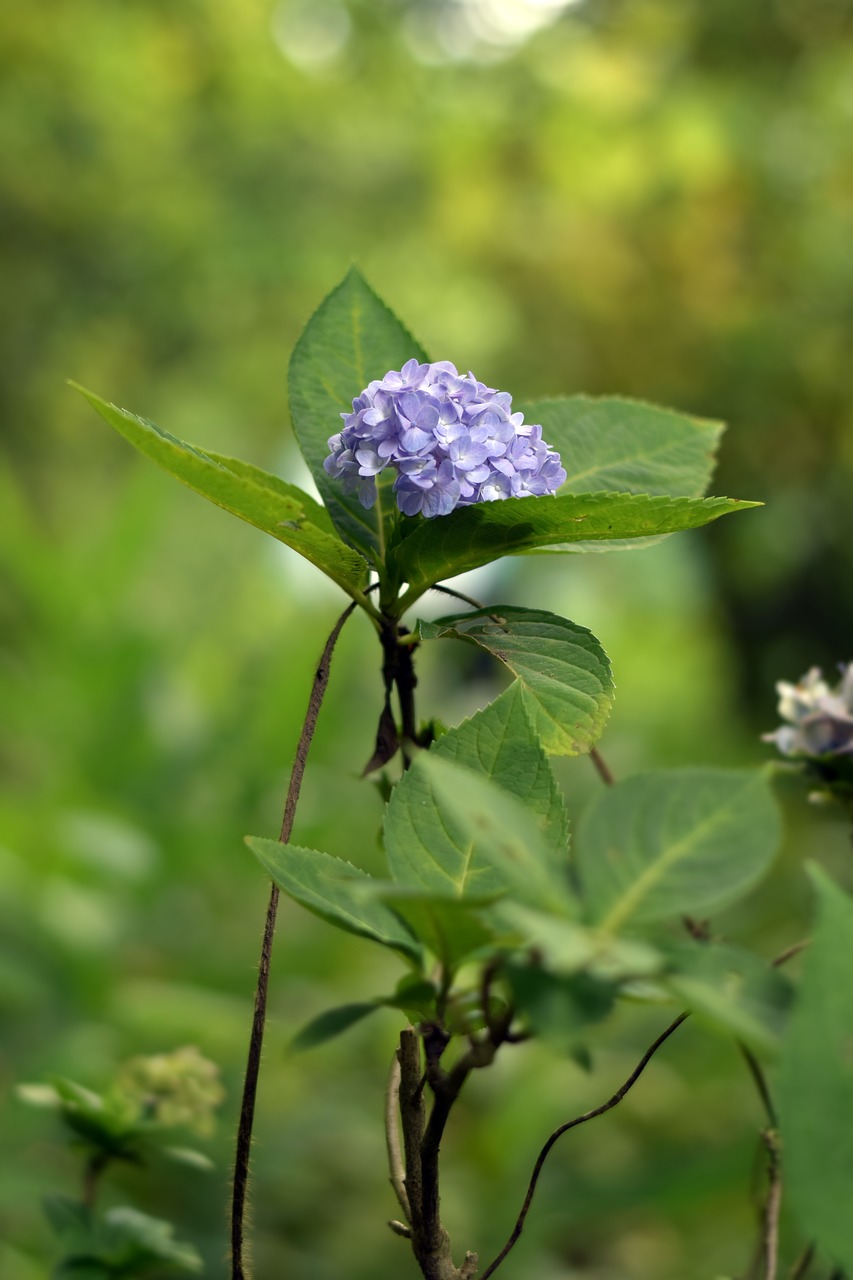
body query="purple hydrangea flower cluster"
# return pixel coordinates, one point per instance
(451, 440)
(820, 718)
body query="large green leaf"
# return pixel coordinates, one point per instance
(815, 1086)
(431, 550)
(675, 842)
(350, 340)
(733, 990)
(570, 946)
(564, 675)
(423, 847)
(278, 508)
(121, 1242)
(498, 742)
(559, 1007)
(455, 832)
(626, 446)
(334, 890)
(452, 929)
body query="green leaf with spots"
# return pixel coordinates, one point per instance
(335, 890)
(814, 1091)
(350, 340)
(563, 674)
(675, 842)
(261, 499)
(431, 550)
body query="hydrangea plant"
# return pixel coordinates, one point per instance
(501, 929)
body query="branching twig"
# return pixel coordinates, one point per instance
(601, 767)
(772, 1206)
(392, 1138)
(458, 595)
(803, 1263)
(789, 953)
(253, 1062)
(760, 1081)
(572, 1124)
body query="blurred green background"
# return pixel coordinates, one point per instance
(652, 197)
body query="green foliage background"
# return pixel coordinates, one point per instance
(653, 198)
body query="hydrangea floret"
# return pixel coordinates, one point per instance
(451, 440)
(820, 717)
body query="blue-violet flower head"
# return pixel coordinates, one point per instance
(820, 718)
(451, 440)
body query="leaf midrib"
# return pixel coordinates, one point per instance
(625, 906)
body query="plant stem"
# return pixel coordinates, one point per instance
(772, 1206)
(392, 1138)
(789, 953)
(94, 1167)
(256, 1039)
(601, 767)
(572, 1124)
(803, 1263)
(760, 1081)
(422, 1142)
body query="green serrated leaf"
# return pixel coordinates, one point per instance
(134, 1241)
(732, 990)
(675, 842)
(568, 946)
(414, 996)
(352, 339)
(269, 503)
(472, 536)
(121, 1242)
(67, 1217)
(626, 446)
(452, 929)
(190, 1157)
(331, 1023)
(112, 1125)
(564, 675)
(497, 743)
(455, 832)
(558, 1008)
(75, 1269)
(814, 1091)
(334, 890)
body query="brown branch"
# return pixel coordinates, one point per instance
(760, 1081)
(601, 767)
(256, 1039)
(789, 953)
(803, 1263)
(772, 1206)
(458, 595)
(396, 1168)
(572, 1124)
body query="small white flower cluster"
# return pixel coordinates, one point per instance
(820, 718)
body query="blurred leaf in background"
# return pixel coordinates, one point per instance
(651, 198)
